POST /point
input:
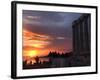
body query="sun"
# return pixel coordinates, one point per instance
(32, 53)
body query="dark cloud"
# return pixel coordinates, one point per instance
(53, 19)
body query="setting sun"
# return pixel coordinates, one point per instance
(32, 53)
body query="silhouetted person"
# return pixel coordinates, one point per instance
(30, 62)
(37, 59)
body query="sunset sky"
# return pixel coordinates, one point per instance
(47, 31)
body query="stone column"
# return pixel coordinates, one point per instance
(81, 34)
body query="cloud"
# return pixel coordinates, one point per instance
(33, 17)
(46, 18)
(35, 40)
(33, 22)
(60, 38)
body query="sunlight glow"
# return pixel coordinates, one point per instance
(32, 53)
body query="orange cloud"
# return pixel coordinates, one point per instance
(35, 40)
(33, 44)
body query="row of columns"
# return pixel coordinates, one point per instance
(81, 34)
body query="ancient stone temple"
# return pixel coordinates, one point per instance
(81, 39)
(81, 34)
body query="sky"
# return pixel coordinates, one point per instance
(45, 31)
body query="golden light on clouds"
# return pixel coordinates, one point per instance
(33, 43)
(35, 40)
